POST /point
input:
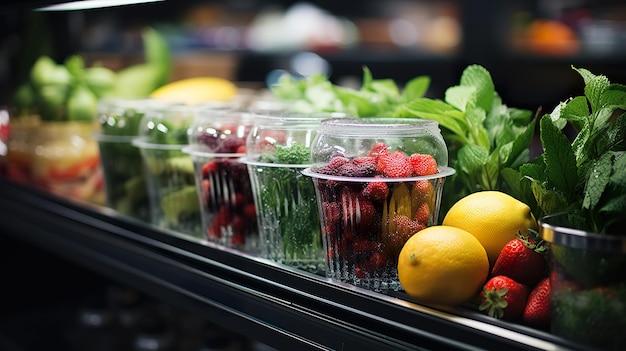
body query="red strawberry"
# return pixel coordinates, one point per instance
(503, 298)
(423, 164)
(422, 215)
(537, 311)
(209, 168)
(404, 229)
(522, 259)
(379, 149)
(376, 191)
(337, 162)
(395, 165)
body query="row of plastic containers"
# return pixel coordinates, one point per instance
(322, 192)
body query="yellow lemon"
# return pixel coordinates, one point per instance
(493, 217)
(442, 265)
(196, 90)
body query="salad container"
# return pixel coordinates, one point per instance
(588, 282)
(378, 181)
(20, 148)
(277, 150)
(117, 124)
(217, 141)
(168, 171)
(66, 161)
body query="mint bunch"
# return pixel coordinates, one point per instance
(484, 135)
(586, 176)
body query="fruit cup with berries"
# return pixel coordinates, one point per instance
(217, 140)
(378, 181)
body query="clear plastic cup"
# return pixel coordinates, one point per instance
(216, 143)
(277, 150)
(370, 202)
(169, 171)
(117, 124)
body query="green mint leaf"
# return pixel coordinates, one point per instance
(576, 111)
(559, 158)
(475, 118)
(594, 87)
(555, 116)
(618, 175)
(614, 97)
(550, 201)
(615, 206)
(461, 96)
(478, 77)
(446, 115)
(617, 134)
(472, 157)
(535, 170)
(597, 179)
(520, 148)
(416, 88)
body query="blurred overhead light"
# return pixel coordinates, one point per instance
(91, 4)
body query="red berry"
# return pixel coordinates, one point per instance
(395, 165)
(522, 260)
(379, 149)
(337, 162)
(423, 164)
(376, 191)
(209, 168)
(422, 215)
(241, 149)
(364, 160)
(537, 311)
(401, 229)
(377, 260)
(503, 298)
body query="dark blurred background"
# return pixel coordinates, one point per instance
(528, 46)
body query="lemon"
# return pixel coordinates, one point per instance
(196, 90)
(493, 217)
(442, 265)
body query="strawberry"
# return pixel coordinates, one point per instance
(503, 298)
(423, 164)
(422, 215)
(376, 191)
(395, 165)
(379, 149)
(537, 310)
(522, 259)
(404, 229)
(209, 168)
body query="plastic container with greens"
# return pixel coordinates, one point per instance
(168, 170)
(117, 125)
(277, 150)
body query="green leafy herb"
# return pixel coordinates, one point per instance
(587, 176)
(376, 97)
(484, 135)
(288, 207)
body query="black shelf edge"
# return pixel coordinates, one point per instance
(282, 307)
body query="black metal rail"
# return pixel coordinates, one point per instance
(282, 307)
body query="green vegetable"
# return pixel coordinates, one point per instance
(140, 80)
(376, 97)
(288, 208)
(585, 177)
(82, 104)
(484, 135)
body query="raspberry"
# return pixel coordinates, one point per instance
(364, 159)
(422, 191)
(379, 149)
(423, 164)
(337, 162)
(395, 165)
(376, 191)
(422, 215)
(209, 167)
(332, 213)
(229, 145)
